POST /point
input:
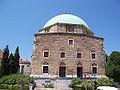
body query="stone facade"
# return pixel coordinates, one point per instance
(55, 39)
(25, 67)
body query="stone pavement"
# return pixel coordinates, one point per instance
(59, 84)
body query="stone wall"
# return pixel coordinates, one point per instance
(55, 42)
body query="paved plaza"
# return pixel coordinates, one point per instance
(59, 84)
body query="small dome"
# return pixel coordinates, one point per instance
(66, 18)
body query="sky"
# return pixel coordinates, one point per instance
(21, 19)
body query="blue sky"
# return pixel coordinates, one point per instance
(21, 19)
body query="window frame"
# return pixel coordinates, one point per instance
(96, 70)
(44, 53)
(92, 54)
(77, 55)
(72, 42)
(64, 55)
(96, 66)
(70, 28)
(43, 69)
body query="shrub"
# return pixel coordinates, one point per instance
(78, 87)
(90, 85)
(16, 79)
(10, 87)
(87, 84)
(75, 81)
(15, 82)
(104, 82)
(49, 85)
(3, 86)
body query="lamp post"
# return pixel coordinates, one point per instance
(85, 81)
(94, 81)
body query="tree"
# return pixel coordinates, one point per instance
(106, 57)
(104, 82)
(12, 64)
(16, 58)
(113, 66)
(5, 62)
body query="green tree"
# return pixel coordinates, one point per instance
(11, 64)
(16, 58)
(104, 82)
(5, 62)
(113, 66)
(107, 57)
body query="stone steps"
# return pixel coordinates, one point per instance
(41, 87)
(53, 88)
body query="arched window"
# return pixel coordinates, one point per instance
(94, 68)
(45, 67)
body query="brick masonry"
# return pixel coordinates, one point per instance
(55, 40)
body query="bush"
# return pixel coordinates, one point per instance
(78, 87)
(90, 85)
(87, 84)
(14, 87)
(78, 84)
(3, 86)
(15, 82)
(75, 81)
(16, 79)
(49, 85)
(104, 82)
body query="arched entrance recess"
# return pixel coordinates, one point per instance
(79, 70)
(62, 69)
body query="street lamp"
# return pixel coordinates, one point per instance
(85, 81)
(94, 80)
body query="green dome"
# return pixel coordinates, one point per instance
(66, 18)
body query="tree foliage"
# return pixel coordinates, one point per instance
(16, 58)
(5, 62)
(9, 64)
(113, 66)
(104, 82)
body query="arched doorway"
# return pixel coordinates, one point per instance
(62, 70)
(79, 70)
(94, 68)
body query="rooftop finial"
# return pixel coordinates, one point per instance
(66, 12)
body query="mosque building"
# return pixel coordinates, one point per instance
(66, 47)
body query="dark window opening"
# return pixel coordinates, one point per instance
(46, 54)
(47, 30)
(94, 70)
(22, 69)
(70, 42)
(45, 69)
(62, 55)
(93, 56)
(70, 28)
(78, 55)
